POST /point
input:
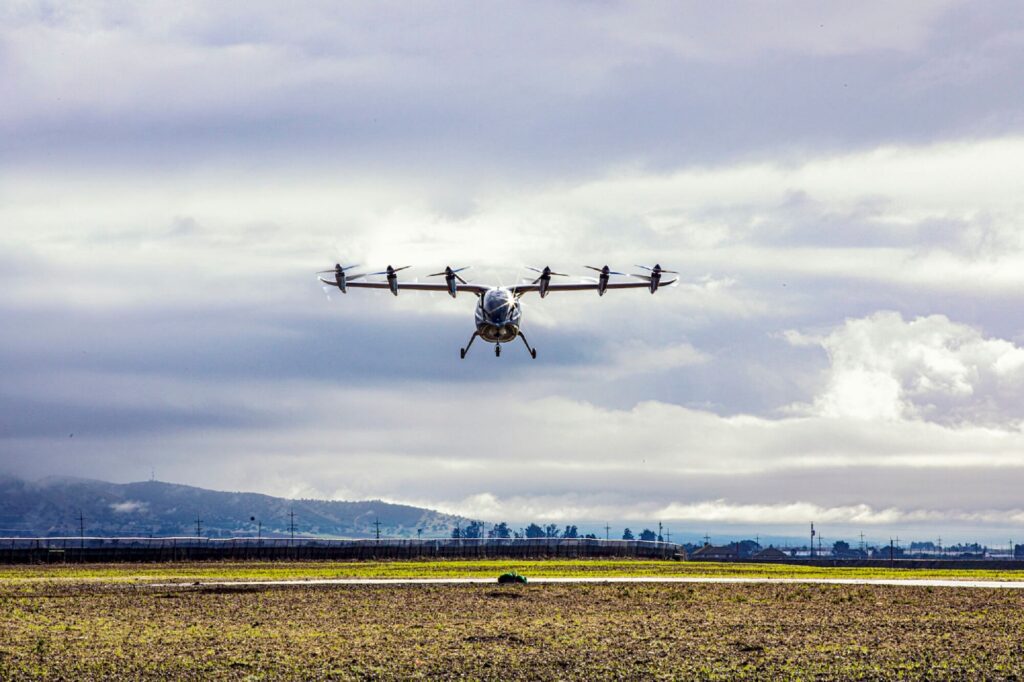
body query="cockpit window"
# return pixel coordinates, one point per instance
(497, 301)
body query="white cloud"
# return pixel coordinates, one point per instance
(129, 506)
(927, 368)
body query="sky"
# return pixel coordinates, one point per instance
(839, 184)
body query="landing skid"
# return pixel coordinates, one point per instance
(463, 351)
(533, 351)
(497, 347)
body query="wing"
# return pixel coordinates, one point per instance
(527, 288)
(409, 286)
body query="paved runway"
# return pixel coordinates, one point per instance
(410, 582)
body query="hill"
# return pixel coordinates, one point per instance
(51, 506)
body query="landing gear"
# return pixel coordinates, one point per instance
(463, 351)
(497, 350)
(533, 351)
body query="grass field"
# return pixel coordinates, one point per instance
(59, 630)
(278, 570)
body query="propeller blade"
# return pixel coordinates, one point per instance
(404, 267)
(593, 268)
(647, 277)
(671, 272)
(437, 274)
(465, 267)
(644, 267)
(530, 267)
(460, 279)
(560, 274)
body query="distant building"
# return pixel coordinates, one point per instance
(712, 553)
(770, 553)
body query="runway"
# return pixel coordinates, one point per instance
(413, 582)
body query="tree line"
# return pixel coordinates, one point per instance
(478, 530)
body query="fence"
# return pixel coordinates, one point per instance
(103, 550)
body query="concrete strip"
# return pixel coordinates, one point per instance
(404, 582)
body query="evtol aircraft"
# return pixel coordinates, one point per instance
(498, 310)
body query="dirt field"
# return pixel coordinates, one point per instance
(64, 631)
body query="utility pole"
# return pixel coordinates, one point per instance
(707, 538)
(199, 527)
(607, 531)
(81, 529)
(862, 542)
(659, 532)
(376, 525)
(668, 535)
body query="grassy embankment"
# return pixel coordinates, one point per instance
(278, 570)
(56, 630)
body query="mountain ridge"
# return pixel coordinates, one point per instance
(51, 506)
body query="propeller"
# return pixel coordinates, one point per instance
(605, 270)
(546, 272)
(656, 268)
(390, 271)
(340, 278)
(448, 272)
(654, 279)
(602, 282)
(338, 266)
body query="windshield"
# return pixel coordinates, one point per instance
(498, 305)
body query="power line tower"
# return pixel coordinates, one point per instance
(607, 531)
(707, 538)
(376, 527)
(291, 524)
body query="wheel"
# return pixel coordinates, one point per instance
(533, 353)
(462, 353)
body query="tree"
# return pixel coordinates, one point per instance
(571, 532)
(648, 535)
(551, 530)
(840, 548)
(535, 531)
(500, 530)
(627, 535)
(475, 529)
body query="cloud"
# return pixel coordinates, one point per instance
(927, 368)
(129, 506)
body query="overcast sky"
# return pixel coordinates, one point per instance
(840, 184)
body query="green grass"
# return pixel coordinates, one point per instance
(282, 570)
